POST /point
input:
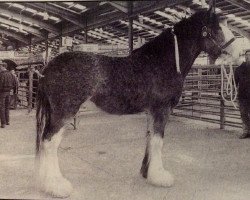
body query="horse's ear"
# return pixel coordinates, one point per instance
(209, 10)
(211, 14)
(212, 5)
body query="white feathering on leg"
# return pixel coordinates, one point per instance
(50, 178)
(157, 175)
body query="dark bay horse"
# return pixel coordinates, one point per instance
(145, 80)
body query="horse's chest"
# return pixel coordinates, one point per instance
(167, 87)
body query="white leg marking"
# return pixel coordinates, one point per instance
(50, 179)
(157, 175)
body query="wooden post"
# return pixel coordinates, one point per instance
(16, 46)
(30, 81)
(130, 27)
(60, 43)
(222, 112)
(46, 49)
(30, 89)
(86, 31)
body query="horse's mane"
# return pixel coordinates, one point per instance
(186, 28)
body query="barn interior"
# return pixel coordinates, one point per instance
(101, 154)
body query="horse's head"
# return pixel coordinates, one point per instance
(216, 38)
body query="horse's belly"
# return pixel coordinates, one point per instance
(115, 104)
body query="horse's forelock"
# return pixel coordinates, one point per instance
(188, 26)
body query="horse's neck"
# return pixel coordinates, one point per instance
(189, 49)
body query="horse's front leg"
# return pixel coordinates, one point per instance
(152, 167)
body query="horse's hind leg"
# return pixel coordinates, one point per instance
(152, 167)
(50, 178)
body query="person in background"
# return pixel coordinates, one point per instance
(242, 80)
(7, 83)
(14, 92)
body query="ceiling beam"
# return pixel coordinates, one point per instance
(89, 4)
(43, 25)
(156, 5)
(112, 28)
(238, 30)
(7, 42)
(95, 20)
(28, 29)
(240, 3)
(147, 27)
(118, 6)
(107, 37)
(124, 32)
(81, 38)
(234, 28)
(66, 15)
(16, 36)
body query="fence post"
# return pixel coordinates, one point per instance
(222, 112)
(30, 89)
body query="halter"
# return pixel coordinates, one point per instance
(204, 34)
(208, 35)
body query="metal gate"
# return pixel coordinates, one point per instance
(28, 83)
(202, 100)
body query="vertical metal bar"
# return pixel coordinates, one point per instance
(130, 27)
(30, 89)
(30, 80)
(46, 49)
(222, 112)
(16, 46)
(86, 30)
(60, 43)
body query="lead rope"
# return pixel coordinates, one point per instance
(177, 55)
(231, 88)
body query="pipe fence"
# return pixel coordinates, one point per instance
(202, 100)
(28, 83)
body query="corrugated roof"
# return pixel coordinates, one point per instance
(106, 22)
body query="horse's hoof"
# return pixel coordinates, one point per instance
(160, 178)
(59, 188)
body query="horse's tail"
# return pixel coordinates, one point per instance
(43, 116)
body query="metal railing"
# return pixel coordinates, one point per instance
(202, 100)
(28, 83)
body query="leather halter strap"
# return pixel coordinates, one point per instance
(228, 43)
(208, 35)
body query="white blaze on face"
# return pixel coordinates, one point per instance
(233, 49)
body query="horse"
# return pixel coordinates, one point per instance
(146, 80)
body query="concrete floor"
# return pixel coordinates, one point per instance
(103, 157)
